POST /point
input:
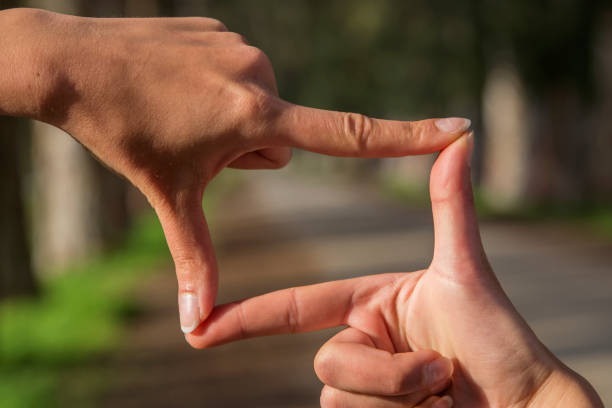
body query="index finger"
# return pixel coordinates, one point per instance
(356, 135)
(293, 310)
(349, 361)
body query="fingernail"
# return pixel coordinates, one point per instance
(438, 371)
(453, 125)
(189, 311)
(444, 402)
(469, 139)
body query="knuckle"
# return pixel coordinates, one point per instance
(242, 322)
(277, 164)
(396, 383)
(417, 134)
(215, 24)
(282, 161)
(428, 402)
(251, 104)
(440, 196)
(256, 110)
(324, 365)
(236, 38)
(206, 23)
(329, 398)
(219, 26)
(357, 128)
(445, 190)
(293, 312)
(186, 270)
(253, 59)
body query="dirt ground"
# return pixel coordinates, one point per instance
(279, 230)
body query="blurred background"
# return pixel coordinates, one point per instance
(87, 294)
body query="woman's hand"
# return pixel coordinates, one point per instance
(168, 103)
(455, 307)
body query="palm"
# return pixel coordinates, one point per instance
(455, 307)
(469, 322)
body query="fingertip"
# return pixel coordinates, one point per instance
(456, 230)
(438, 373)
(328, 395)
(428, 136)
(470, 147)
(349, 134)
(201, 337)
(324, 362)
(453, 125)
(189, 311)
(189, 329)
(450, 172)
(195, 302)
(444, 402)
(194, 341)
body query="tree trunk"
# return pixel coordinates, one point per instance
(80, 206)
(67, 201)
(599, 161)
(506, 156)
(559, 147)
(16, 275)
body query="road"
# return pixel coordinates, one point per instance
(278, 231)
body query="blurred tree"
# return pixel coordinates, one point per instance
(66, 200)
(16, 275)
(553, 46)
(423, 58)
(505, 119)
(599, 163)
(388, 58)
(66, 204)
(80, 206)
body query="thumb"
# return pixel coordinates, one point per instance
(457, 238)
(189, 242)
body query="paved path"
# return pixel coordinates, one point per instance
(280, 231)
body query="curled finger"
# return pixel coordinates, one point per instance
(334, 398)
(350, 362)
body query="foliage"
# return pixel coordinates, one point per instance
(78, 317)
(595, 217)
(413, 194)
(81, 315)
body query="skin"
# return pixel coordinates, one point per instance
(400, 323)
(168, 103)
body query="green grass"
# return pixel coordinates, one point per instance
(591, 216)
(601, 221)
(397, 189)
(80, 317)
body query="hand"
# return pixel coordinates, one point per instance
(455, 307)
(169, 103)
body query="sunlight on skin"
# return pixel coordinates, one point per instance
(171, 124)
(455, 307)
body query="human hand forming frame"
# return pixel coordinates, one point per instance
(401, 323)
(168, 103)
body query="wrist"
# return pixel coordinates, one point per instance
(565, 388)
(28, 68)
